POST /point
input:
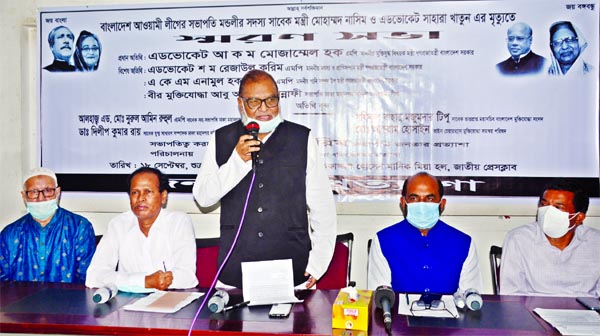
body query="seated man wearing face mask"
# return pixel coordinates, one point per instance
(555, 255)
(49, 243)
(422, 254)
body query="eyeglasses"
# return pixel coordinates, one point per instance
(255, 103)
(35, 193)
(570, 41)
(435, 305)
(517, 38)
(87, 49)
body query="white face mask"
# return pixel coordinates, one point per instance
(554, 222)
(265, 126)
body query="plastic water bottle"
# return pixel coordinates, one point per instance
(473, 299)
(217, 302)
(459, 300)
(103, 294)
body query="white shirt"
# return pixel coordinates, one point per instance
(530, 265)
(379, 272)
(171, 244)
(214, 182)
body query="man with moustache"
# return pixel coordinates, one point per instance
(290, 213)
(422, 254)
(61, 43)
(556, 255)
(148, 247)
(49, 243)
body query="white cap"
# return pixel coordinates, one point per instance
(40, 171)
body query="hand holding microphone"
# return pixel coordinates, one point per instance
(248, 144)
(252, 128)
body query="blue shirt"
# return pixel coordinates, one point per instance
(61, 251)
(422, 264)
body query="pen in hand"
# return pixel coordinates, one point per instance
(164, 266)
(237, 305)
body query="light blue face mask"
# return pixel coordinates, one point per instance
(422, 215)
(42, 210)
(264, 126)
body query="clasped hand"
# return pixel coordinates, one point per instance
(160, 280)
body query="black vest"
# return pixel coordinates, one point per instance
(276, 222)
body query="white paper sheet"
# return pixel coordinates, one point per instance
(164, 302)
(405, 302)
(268, 282)
(571, 321)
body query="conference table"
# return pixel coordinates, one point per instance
(30, 307)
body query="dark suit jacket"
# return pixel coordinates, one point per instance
(58, 66)
(530, 64)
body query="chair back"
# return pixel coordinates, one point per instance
(207, 253)
(495, 259)
(338, 274)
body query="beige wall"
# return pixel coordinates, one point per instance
(486, 219)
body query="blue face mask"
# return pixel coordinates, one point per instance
(422, 215)
(42, 210)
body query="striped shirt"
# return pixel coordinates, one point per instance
(531, 266)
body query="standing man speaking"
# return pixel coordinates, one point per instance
(291, 212)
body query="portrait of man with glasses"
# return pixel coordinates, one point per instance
(290, 212)
(49, 243)
(567, 44)
(522, 59)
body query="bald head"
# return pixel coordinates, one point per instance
(518, 39)
(521, 27)
(256, 76)
(419, 178)
(422, 187)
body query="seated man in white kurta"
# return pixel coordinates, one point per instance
(147, 247)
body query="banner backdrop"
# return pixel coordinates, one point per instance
(388, 89)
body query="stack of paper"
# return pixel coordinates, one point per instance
(164, 302)
(571, 321)
(268, 282)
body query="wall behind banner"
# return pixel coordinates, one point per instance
(486, 219)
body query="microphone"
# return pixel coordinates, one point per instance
(217, 302)
(384, 299)
(103, 294)
(252, 128)
(473, 299)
